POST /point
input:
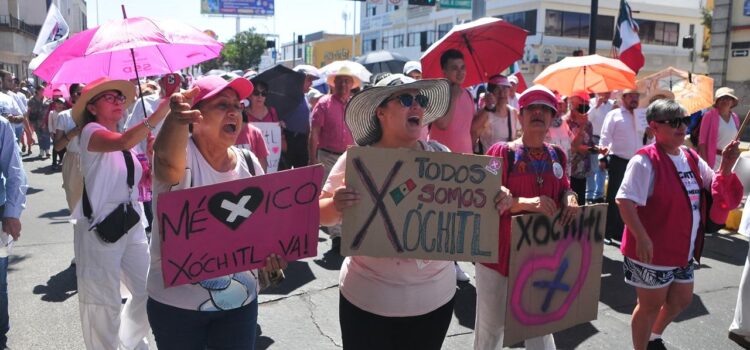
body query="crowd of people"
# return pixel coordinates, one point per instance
(119, 153)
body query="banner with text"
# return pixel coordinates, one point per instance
(238, 7)
(216, 230)
(422, 205)
(272, 135)
(555, 273)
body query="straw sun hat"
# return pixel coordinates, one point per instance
(360, 111)
(726, 92)
(95, 88)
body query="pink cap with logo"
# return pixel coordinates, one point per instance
(538, 95)
(211, 85)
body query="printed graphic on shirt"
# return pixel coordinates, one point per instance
(227, 292)
(693, 190)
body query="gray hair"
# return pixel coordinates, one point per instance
(664, 109)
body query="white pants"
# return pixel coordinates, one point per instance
(106, 323)
(489, 326)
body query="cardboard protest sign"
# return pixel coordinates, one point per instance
(554, 273)
(216, 230)
(272, 135)
(423, 205)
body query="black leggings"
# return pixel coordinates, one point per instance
(579, 187)
(362, 330)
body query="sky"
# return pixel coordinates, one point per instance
(292, 16)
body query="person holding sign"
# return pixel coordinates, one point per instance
(219, 312)
(391, 303)
(662, 202)
(110, 237)
(534, 172)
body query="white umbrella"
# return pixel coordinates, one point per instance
(348, 68)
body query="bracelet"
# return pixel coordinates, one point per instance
(147, 125)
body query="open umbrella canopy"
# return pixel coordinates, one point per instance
(692, 91)
(346, 67)
(383, 62)
(159, 47)
(284, 88)
(489, 46)
(592, 74)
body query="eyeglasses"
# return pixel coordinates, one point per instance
(111, 98)
(407, 100)
(260, 93)
(675, 123)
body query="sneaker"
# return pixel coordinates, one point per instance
(740, 339)
(656, 344)
(461, 276)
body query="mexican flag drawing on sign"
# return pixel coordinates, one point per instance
(626, 40)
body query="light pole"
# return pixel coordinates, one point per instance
(592, 26)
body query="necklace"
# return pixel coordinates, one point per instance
(537, 156)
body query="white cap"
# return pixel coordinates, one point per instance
(513, 79)
(411, 66)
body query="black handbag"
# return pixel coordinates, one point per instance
(123, 218)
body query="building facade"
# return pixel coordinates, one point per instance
(20, 22)
(556, 29)
(319, 49)
(729, 55)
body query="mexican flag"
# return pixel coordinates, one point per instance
(399, 193)
(626, 40)
(515, 69)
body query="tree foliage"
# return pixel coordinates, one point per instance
(243, 51)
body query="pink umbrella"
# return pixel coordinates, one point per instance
(50, 89)
(156, 46)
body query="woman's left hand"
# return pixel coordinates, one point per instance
(570, 210)
(503, 200)
(274, 263)
(729, 156)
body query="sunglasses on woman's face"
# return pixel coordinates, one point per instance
(407, 100)
(675, 123)
(260, 93)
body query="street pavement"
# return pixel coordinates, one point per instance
(302, 313)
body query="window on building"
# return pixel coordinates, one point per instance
(576, 25)
(299, 52)
(444, 29)
(659, 33)
(384, 42)
(391, 8)
(398, 41)
(412, 39)
(426, 38)
(373, 44)
(525, 20)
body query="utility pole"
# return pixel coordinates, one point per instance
(478, 9)
(592, 26)
(294, 49)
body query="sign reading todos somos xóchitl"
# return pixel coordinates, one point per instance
(220, 229)
(554, 273)
(422, 205)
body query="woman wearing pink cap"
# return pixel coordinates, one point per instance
(221, 312)
(498, 121)
(534, 172)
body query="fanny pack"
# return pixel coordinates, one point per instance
(121, 219)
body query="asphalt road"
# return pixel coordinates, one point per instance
(302, 313)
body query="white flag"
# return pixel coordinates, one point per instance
(53, 32)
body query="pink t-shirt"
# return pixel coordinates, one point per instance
(252, 137)
(392, 287)
(328, 114)
(458, 134)
(271, 117)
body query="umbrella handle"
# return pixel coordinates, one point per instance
(742, 127)
(135, 67)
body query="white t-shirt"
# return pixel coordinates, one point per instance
(727, 131)
(22, 101)
(241, 287)
(637, 190)
(105, 178)
(597, 114)
(52, 120)
(392, 287)
(9, 106)
(498, 128)
(65, 123)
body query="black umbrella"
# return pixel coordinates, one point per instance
(284, 89)
(383, 62)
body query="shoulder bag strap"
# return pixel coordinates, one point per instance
(248, 160)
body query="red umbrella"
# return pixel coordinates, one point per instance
(489, 45)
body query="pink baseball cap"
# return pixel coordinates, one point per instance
(499, 80)
(582, 95)
(211, 85)
(538, 95)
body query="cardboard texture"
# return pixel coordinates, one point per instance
(272, 135)
(422, 205)
(555, 273)
(221, 229)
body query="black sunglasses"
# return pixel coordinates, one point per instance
(407, 100)
(260, 93)
(675, 123)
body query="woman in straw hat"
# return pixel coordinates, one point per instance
(718, 127)
(389, 303)
(195, 148)
(534, 172)
(107, 255)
